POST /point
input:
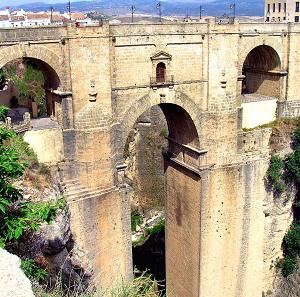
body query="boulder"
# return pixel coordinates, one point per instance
(13, 282)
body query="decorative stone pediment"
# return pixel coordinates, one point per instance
(161, 56)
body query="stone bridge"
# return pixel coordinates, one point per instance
(210, 81)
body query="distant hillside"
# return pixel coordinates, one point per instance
(116, 7)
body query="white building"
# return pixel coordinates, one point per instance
(22, 18)
(282, 11)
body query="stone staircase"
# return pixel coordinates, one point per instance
(75, 191)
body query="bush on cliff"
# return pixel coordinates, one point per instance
(281, 173)
(18, 216)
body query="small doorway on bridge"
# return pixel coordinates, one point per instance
(161, 72)
(159, 153)
(26, 86)
(261, 70)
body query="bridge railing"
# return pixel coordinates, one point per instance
(186, 154)
(18, 126)
(166, 81)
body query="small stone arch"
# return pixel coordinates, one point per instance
(49, 64)
(261, 72)
(38, 52)
(249, 45)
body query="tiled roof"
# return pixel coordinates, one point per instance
(37, 16)
(4, 18)
(58, 18)
(15, 18)
(78, 16)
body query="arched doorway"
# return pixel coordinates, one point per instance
(30, 85)
(161, 72)
(182, 190)
(262, 71)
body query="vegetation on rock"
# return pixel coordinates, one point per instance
(274, 174)
(136, 219)
(3, 112)
(2, 79)
(30, 83)
(282, 173)
(17, 215)
(32, 270)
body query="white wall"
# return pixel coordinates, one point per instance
(258, 113)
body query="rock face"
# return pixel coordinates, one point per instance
(13, 282)
(53, 248)
(288, 287)
(278, 217)
(145, 161)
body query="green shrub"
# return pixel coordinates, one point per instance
(160, 226)
(275, 173)
(2, 79)
(288, 266)
(139, 241)
(32, 270)
(164, 132)
(136, 220)
(291, 241)
(142, 286)
(16, 215)
(3, 112)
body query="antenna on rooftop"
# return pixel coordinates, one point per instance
(158, 6)
(69, 9)
(132, 11)
(51, 14)
(232, 6)
(200, 12)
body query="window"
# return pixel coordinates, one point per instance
(273, 19)
(297, 7)
(268, 7)
(273, 7)
(279, 19)
(284, 18)
(160, 72)
(284, 7)
(296, 19)
(279, 7)
(267, 19)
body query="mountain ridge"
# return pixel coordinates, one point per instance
(116, 7)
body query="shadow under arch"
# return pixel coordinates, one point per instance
(180, 112)
(262, 71)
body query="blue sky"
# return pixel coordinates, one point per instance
(18, 2)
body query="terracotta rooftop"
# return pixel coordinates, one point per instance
(37, 16)
(78, 16)
(4, 18)
(15, 18)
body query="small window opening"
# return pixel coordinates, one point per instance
(160, 72)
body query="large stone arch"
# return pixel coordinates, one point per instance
(38, 52)
(249, 45)
(145, 102)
